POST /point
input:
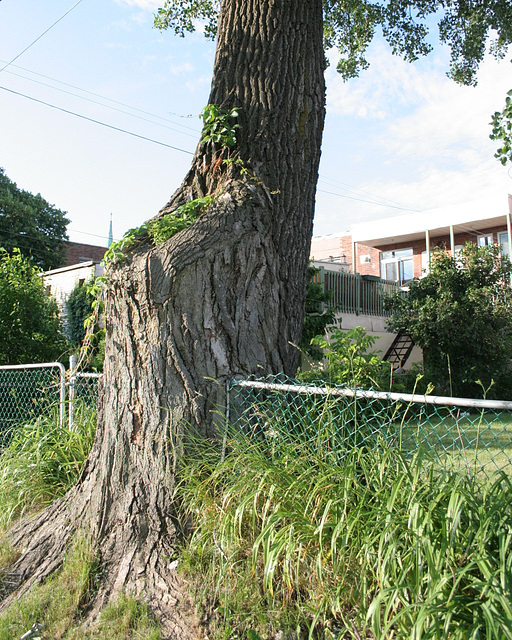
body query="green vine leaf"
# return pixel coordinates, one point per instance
(218, 125)
(183, 217)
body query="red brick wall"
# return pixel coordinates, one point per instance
(77, 252)
(371, 268)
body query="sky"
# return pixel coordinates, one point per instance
(400, 139)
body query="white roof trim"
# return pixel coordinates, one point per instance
(474, 214)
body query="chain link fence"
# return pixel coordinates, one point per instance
(83, 389)
(28, 391)
(455, 432)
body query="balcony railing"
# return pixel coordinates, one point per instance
(353, 293)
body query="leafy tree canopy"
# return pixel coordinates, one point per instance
(460, 314)
(350, 25)
(30, 223)
(502, 131)
(30, 328)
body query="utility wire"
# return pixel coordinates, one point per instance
(86, 233)
(38, 238)
(133, 115)
(163, 144)
(379, 199)
(103, 124)
(379, 204)
(39, 37)
(343, 185)
(97, 95)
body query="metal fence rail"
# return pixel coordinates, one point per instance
(31, 390)
(456, 432)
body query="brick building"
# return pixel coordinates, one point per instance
(77, 252)
(399, 248)
(81, 262)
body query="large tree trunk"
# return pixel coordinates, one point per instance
(224, 297)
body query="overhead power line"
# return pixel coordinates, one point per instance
(368, 194)
(103, 124)
(39, 37)
(379, 204)
(76, 95)
(370, 198)
(164, 144)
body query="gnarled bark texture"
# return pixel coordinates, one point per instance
(224, 297)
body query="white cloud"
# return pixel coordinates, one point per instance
(182, 68)
(424, 139)
(430, 188)
(197, 84)
(149, 5)
(389, 85)
(454, 122)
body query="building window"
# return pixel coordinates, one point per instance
(504, 243)
(484, 241)
(397, 265)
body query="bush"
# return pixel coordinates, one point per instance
(80, 308)
(349, 360)
(319, 313)
(30, 328)
(460, 314)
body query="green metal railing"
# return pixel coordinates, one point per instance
(354, 293)
(455, 432)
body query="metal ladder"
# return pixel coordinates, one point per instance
(400, 350)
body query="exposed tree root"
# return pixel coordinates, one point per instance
(141, 568)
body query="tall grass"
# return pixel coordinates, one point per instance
(373, 543)
(42, 461)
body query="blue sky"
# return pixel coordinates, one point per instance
(401, 135)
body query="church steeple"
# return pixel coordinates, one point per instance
(110, 236)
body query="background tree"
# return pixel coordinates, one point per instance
(460, 314)
(31, 224)
(30, 329)
(214, 286)
(502, 131)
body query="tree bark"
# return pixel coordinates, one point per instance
(223, 298)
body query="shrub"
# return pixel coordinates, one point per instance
(30, 328)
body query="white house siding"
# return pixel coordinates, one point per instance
(61, 282)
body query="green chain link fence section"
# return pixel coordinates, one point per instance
(83, 389)
(29, 391)
(455, 432)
